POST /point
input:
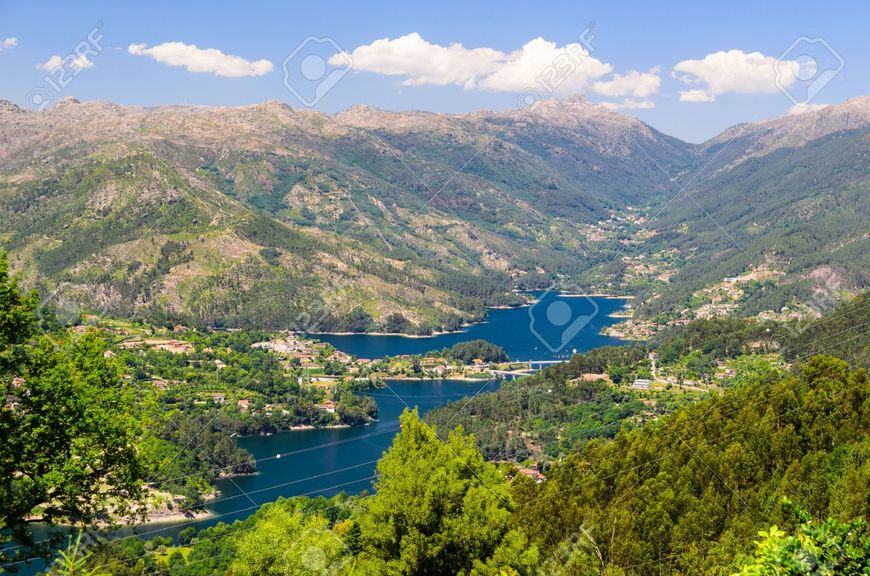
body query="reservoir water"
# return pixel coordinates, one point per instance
(319, 461)
(551, 328)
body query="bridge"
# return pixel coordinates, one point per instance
(542, 363)
(513, 374)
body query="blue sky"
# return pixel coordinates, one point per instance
(688, 69)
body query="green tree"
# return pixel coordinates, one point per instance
(440, 508)
(285, 542)
(73, 562)
(829, 547)
(67, 433)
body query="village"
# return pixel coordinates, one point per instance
(323, 365)
(185, 366)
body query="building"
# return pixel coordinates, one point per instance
(641, 384)
(244, 404)
(532, 473)
(172, 346)
(328, 406)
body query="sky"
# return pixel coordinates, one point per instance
(688, 69)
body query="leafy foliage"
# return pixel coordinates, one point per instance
(439, 508)
(829, 547)
(68, 450)
(550, 413)
(468, 352)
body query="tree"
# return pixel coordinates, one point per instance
(286, 542)
(687, 494)
(17, 319)
(440, 508)
(467, 352)
(396, 322)
(73, 562)
(67, 433)
(829, 547)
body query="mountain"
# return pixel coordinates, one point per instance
(791, 131)
(265, 214)
(414, 221)
(789, 196)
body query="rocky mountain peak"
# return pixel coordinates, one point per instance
(8, 106)
(67, 101)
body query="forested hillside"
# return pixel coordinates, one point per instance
(689, 493)
(801, 211)
(843, 333)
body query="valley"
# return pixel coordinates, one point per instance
(228, 330)
(355, 223)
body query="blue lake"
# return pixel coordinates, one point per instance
(552, 328)
(320, 461)
(310, 462)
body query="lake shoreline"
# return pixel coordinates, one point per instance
(298, 427)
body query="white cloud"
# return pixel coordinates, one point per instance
(630, 104)
(563, 70)
(10, 42)
(422, 62)
(76, 63)
(733, 71)
(800, 109)
(633, 83)
(696, 96)
(195, 59)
